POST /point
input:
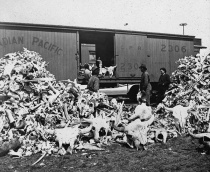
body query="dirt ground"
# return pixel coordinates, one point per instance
(179, 154)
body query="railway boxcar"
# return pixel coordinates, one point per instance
(67, 48)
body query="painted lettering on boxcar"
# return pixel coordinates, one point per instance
(127, 67)
(47, 45)
(11, 40)
(5, 41)
(171, 48)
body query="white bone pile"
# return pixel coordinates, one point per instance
(40, 114)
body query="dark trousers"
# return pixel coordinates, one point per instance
(160, 95)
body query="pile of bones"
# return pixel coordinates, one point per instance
(40, 114)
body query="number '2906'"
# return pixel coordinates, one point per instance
(171, 48)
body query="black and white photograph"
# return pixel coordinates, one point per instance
(104, 85)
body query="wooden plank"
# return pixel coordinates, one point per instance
(2, 46)
(164, 53)
(157, 57)
(130, 51)
(179, 49)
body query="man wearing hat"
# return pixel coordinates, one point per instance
(145, 86)
(93, 83)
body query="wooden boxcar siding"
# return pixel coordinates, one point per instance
(164, 53)
(62, 61)
(179, 49)
(130, 53)
(85, 52)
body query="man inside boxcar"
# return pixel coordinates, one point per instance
(87, 73)
(145, 86)
(93, 83)
(163, 84)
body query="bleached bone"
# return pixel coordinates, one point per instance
(43, 155)
(98, 123)
(205, 138)
(102, 71)
(180, 112)
(9, 115)
(200, 135)
(161, 135)
(68, 135)
(9, 67)
(137, 130)
(110, 70)
(89, 146)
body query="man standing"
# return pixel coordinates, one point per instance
(145, 86)
(163, 84)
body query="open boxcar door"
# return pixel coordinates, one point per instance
(130, 53)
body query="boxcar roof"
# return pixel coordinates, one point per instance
(61, 28)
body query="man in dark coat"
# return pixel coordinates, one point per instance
(145, 86)
(163, 84)
(93, 84)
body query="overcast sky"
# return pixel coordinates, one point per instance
(162, 16)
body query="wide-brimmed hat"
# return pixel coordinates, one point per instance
(143, 66)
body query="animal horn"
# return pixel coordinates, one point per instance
(120, 129)
(88, 120)
(96, 135)
(85, 130)
(200, 135)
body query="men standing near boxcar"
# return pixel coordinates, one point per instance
(163, 84)
(93, 84)
(145, 86)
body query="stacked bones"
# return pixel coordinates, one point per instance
(191, 82)
(36, 112)
(39, 114)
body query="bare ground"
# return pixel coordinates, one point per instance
(179, 154)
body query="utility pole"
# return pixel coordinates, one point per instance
(183, 24)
